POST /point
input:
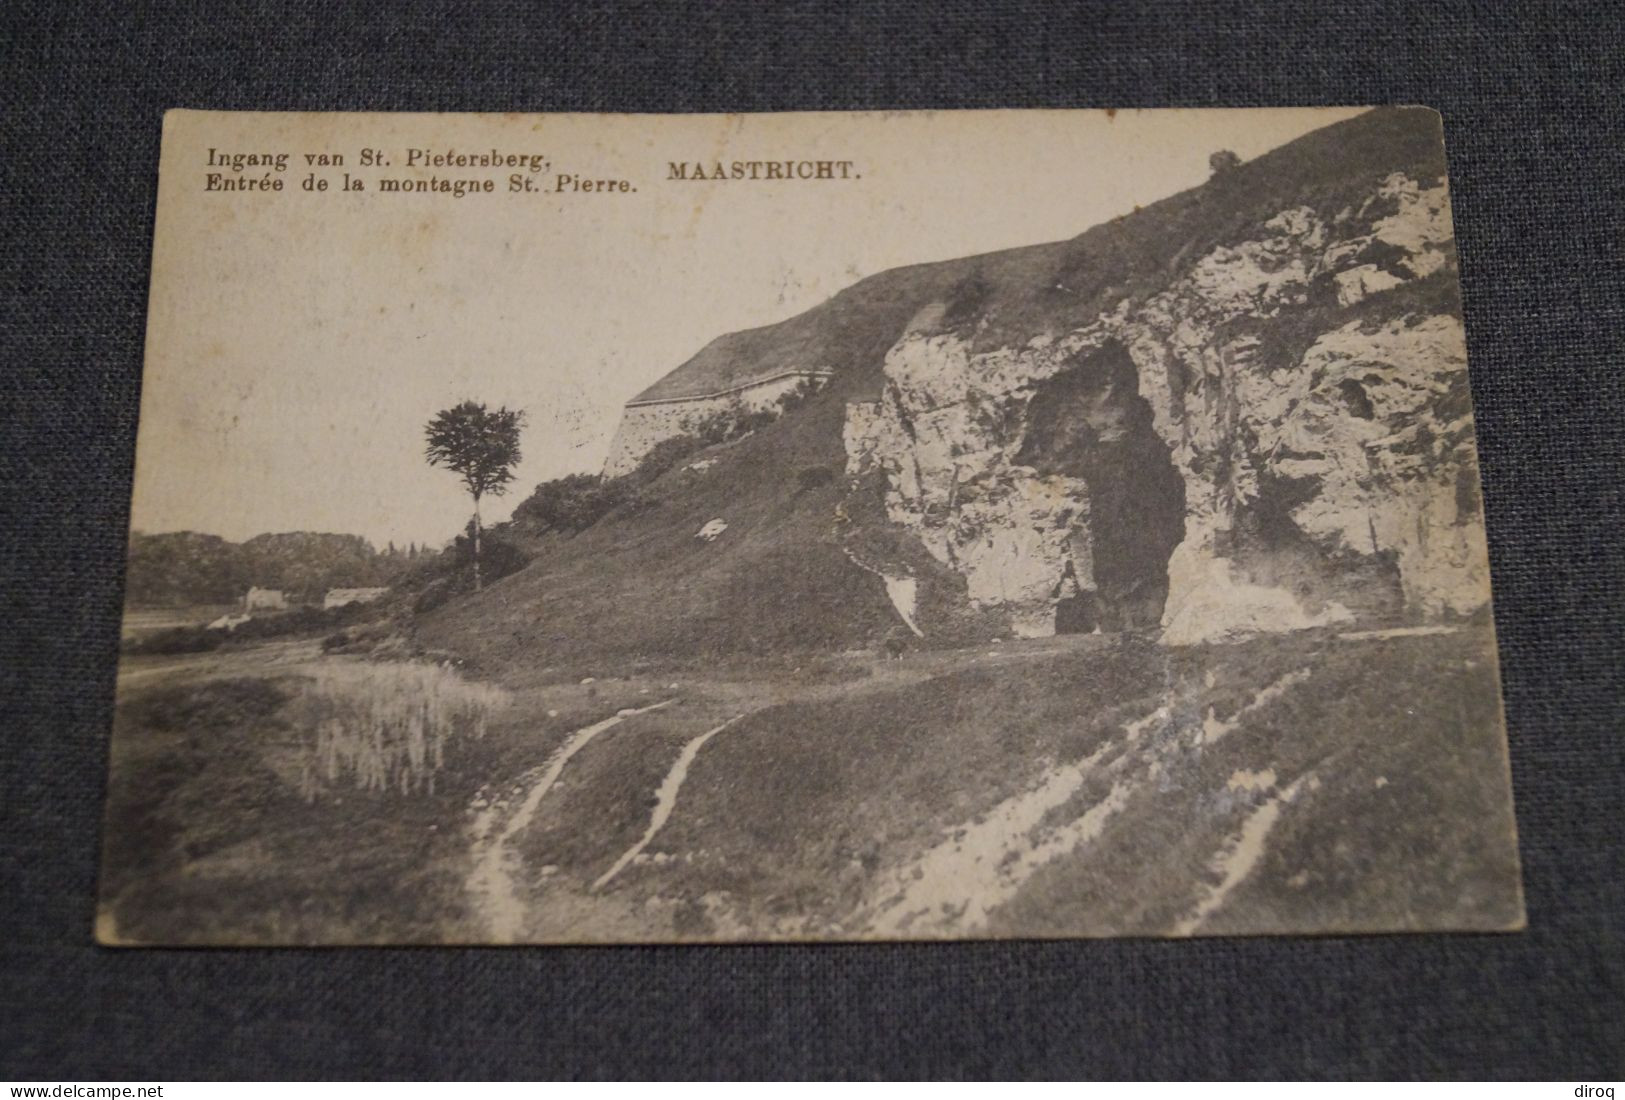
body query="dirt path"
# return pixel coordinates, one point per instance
(492, 883)
(666, 800)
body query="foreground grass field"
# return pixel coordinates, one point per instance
(1069, 786)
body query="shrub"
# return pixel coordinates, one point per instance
(281, 624)
(1223, 162)
(663, 456)
(210, 705)
(452, 573)
(499, 555)
(434, 595)
(301, 620)
(572, 504)
(813, 477)
(175, 640)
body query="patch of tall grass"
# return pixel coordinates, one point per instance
(387, 726)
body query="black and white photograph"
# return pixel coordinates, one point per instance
(805, 527)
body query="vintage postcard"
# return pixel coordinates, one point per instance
(622, 529)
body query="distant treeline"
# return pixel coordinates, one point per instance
(184, 567)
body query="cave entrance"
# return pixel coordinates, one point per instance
(1076, 611)
(1090, 422)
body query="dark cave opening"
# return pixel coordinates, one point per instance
(1076, 614)
(1090, 422)
(1355, 397)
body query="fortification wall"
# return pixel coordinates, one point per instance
(646, 424)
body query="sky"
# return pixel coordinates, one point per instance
(299, 340)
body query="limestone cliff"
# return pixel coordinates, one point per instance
(1269, 431)
(1243, 407)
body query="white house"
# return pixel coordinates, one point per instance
(339, 597)
(265, 599)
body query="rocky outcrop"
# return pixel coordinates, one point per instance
(902, 590)
(1277, 434)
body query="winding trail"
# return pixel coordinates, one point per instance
(492, 880)
(666, 798)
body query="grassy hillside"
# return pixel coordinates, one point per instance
(1292, 784)
(641, 584)
(1062, 786)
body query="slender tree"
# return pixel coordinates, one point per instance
(479, 445)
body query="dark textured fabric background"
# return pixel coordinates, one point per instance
(1531, 97)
